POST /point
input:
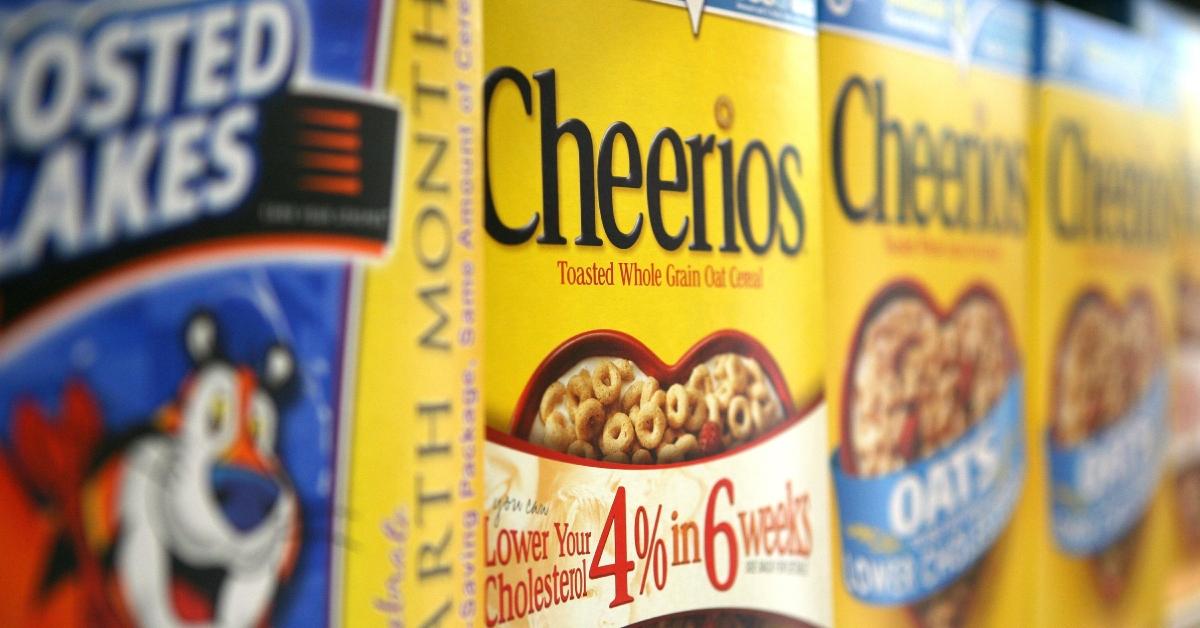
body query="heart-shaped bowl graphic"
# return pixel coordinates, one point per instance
(910, 289)
(1093, 300)
(1187, 300)
(1099, 319)
(954, 599)
(1187, 495)
(1185, 410)
(616, 344)
(722, 618)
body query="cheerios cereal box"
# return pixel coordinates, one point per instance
(1180, 32)
(412, 460)
(652, 248)
(1104, 156)
(925, 170)
(186, 190)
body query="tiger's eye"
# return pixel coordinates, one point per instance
(216, 414)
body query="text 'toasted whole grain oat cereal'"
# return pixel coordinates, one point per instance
(926, 189)
(1180, 32)
(653, 394)
(187, 188)
(1105, 143)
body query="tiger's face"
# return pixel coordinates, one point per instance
(210, 503)
(228, 497)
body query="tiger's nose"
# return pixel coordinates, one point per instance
(245, 497)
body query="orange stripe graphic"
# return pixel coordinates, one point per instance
(330, 184)
(330, 161)
(331, 140)
(335, 118)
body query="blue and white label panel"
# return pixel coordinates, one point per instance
(908, 534)
(1103, 485)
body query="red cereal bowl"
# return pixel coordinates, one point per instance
(616, 344)
(906, 288)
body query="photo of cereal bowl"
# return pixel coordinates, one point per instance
(1187, 494)
(918, 380)
(604, 396)
(722, 618)
(1107, 357)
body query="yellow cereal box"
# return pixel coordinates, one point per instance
(653, 389)
(1180, 33)
(411, 531)
(926, 189)
(1103, 162)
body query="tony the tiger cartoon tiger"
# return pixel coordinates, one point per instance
(193, 521)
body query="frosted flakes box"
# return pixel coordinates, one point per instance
(653, 388)
(925, 170)
(185, 190)
(1179, 31)
(1104, 158)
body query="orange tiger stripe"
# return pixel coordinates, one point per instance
(101, 506)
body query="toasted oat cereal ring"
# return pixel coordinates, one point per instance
(735, 371)
(642, 456)
(625, 368)
(712, 406)
(757, 374)
(618, 457)
(669, 453)
(678, 405)
(580, 387)
(552, 397)
(772, 414)
(678, 450)
(757, 418)
(699, 413)
(658, 399)
(650, 424)
(583, 449)
(687, 443)
(632, 397)
(698, 380)
(618, 434)
(649, 387)
(606, 383)
(671, 434)
(759, 391)
(719, 371)
(589, 420)
(740, 422)
(724, 393)
(685, 408)
(560, 432)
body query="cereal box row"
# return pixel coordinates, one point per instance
(578, 312)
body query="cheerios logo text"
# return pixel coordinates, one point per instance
(923, 174)
(1186, 196)
(1103, 197)
(761, 207)
(121, 124)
